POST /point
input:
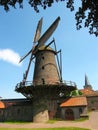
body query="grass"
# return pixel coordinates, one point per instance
(50, 121)
(77, 120)
(82, 119)
(16, 122)
(67, 128)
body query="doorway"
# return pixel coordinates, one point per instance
(69, 114)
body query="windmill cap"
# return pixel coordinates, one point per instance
(42, 48)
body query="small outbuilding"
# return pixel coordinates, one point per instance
(2, 107)
(73, 108)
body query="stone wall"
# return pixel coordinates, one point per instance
(24, 111)
(17, 113)
(92, 102)
(16, 110)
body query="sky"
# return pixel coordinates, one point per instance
(17, 29)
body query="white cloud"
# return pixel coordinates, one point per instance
(10, 56)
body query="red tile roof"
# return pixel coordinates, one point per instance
(2, 104)
(75, 101)
(88, 92)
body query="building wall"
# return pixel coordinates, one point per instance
(92, 102)
(17, 113)
(53, 109)
(24, 111)
(77, 111)
(1, 114)
(16, 110)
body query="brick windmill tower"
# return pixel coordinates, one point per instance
(47, 84)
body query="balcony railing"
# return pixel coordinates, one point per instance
(30, 83)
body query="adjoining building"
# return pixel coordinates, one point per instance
(77, 106)
(90, 94)
(74, 107)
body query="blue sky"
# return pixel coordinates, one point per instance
(17, 29)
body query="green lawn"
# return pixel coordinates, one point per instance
(67, 128)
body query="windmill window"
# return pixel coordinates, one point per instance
(43, 80)
(43, 57)
(43, 67)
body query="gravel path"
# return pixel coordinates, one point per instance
(92, 124)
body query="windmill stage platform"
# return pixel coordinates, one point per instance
(50, 91)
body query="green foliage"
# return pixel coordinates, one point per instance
(34, 3)
(75, 93)
(87, 12)
(7, 3)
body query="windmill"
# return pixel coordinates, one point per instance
(37, 51)
(47, 78)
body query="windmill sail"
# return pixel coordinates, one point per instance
(44, 37)
(36, 37)
(38, 31)
(22, 58)
(48, 33)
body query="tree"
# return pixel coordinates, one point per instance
(76, 93)
(87, 12)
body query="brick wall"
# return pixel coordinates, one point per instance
(46, 71)
(92, 102)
